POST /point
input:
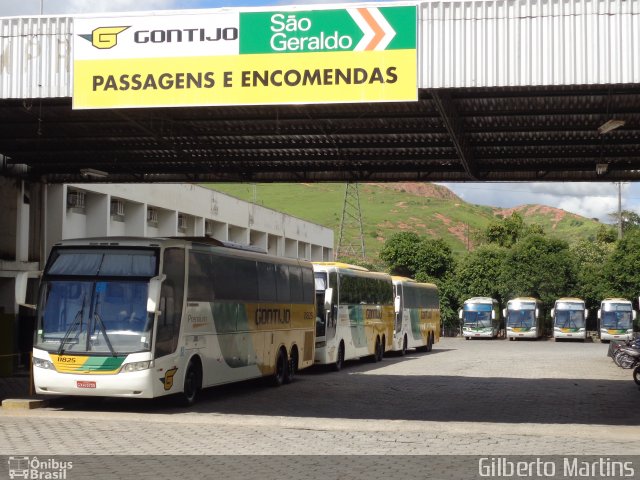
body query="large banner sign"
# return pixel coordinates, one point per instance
(333, 55)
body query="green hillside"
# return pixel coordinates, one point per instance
(426, 209)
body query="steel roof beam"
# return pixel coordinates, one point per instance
(453, 124)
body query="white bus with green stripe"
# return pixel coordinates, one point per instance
(144, 317)
(615, 319)
(355, 313)
(523, 318)
(480, 318)
(569, 319)
(417, 322)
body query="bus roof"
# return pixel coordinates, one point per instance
(524, 299)
(480, 300)
(615, 299)
(401, 279)
(346, 266)
(155, 242)
(570, 299)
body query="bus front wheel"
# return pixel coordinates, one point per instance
(192, 384)
(404, 346)
(339, 363)
(636, 375)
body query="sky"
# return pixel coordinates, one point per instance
(591, 200)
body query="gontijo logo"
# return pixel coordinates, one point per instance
(104, 37)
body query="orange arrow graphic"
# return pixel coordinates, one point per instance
(379, 32)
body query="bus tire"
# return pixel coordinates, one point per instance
(466, 338)
(281, 367)
(192, 384)
(403, 352)
(382, 347)
(429, 343)
(293, 366)
(339, 363)
(636, 375)
(376, 351)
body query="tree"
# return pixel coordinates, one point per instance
(408, 254)
(606, 234)
(622, 270)
(399, 253)
(480, 273)
(630, 220)
(506, 231)
(540, 267)
(591, 282)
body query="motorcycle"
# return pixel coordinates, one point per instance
(627, 357)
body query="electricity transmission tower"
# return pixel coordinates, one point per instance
(351, 238)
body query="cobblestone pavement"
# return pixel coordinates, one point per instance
(465, 398)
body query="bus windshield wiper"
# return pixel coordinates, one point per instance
(103, 330)
(77, 321)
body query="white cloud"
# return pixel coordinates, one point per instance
(591, 200)
(56, 7)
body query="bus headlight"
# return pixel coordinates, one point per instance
(137, 366)
(40, 363)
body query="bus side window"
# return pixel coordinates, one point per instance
(171, 296)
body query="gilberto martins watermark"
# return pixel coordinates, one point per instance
(35, 468)
(563, 467)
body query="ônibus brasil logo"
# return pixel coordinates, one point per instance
(104, 37)
(49, 468)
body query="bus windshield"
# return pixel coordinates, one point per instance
(616, 320)
(84, 316)
(521, 318)
(477, 319)
(569, 318)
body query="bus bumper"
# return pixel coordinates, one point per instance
(528, 334)
(570, 335)
(130, 384)
(477, 334)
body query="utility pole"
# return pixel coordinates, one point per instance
(619, 210)
(351, 238)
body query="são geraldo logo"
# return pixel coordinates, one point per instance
(104, 37)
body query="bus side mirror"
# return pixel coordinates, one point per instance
(586, 312)
(633, 315)
(493, 314)
(599, 314)
(553, 311)
(537, 312)
(153, 298)
(504, 312)
(460, 314)
(328, 298)
(396, 304)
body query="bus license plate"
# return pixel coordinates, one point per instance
(85, 384)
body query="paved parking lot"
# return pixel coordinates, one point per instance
(475, 397)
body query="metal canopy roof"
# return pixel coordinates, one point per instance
(487, 134)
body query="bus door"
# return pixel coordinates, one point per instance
(399, 294)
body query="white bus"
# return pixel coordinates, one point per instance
(523, 318)
(145, 317)
(417, 322)
(569, 319)
(355, 313)
(480, 318)
(615, 319)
